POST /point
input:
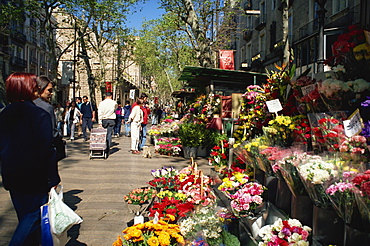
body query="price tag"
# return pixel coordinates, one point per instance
(353, 125)
(274, 106)
(307, 89)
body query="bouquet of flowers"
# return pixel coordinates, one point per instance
(285, 232)
(352, 51)
(197, 188)
(171, 194)
(314, 171)
(288, 168)
(253, 149)
(342, 196)
(140, 195)
(334, 93)
(204, 222)
(302, 130)
(170, 183)
(362, 182)
(165, 172)
(151, 233)
(170, 146)
(246, 199)
(328, 130)
(170, 205)
(280, 131)
(231, 184)
(219, 155)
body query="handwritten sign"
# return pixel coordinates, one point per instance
(353, 125)
(274, 106)
(308, 89)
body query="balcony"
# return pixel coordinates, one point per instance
(308, 29)
(33, 60)
(16, 61)
(260, 22)
(18, 35)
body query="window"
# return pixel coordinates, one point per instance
(339, 5)
(263, 12)
(273, 4)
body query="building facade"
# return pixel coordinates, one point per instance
(260, 43)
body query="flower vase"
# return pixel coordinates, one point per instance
(259, 176)
(283, 196)
(302, 209)
(327, 227)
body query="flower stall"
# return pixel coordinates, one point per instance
(295, 172)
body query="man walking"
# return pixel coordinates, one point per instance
(87, 116)
(107, 116)
(126, 114)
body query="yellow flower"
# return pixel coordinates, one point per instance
(118, 242)
(153, 241)
(171, 217)
(164, 239)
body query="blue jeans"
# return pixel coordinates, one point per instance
(142, 136)
(109, 125)
(27, 207)
(86, 123)
(127, 127)
(117, 127)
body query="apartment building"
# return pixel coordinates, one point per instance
(260, 44)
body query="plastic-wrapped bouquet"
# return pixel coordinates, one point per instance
(362, 181)
(219, 155)
(314, 171)
(246, 199)
(342, 195)
(280, 131)
(170, 205)
(284, 232)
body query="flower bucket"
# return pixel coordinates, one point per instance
(327, 227)
(283, 196)
(190, 152)
(202, 152)
(302, 209)
(355, 237)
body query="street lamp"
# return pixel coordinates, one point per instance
(320, 56)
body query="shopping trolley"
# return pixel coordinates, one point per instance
(98, 143)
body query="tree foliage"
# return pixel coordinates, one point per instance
(162, 51)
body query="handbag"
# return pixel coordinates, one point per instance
(60, 146)
(62, 217)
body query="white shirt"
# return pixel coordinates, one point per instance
(107, 110)
(136, 114)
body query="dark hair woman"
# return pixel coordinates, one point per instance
(28, 162)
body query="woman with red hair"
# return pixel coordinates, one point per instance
(28, 160)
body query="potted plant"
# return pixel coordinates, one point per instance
(191, 136)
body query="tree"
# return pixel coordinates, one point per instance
(162, 51)
(208, 24)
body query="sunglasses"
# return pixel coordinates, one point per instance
(50, 90)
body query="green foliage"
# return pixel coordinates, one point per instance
(192, 134)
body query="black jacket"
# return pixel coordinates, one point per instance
(28, 160)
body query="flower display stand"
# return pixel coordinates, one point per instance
(283, 196)
(302, 209)
(327, 227)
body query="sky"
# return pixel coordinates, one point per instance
(145, 11)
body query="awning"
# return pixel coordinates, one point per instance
(195, 76)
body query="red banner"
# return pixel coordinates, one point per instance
(227, 59)
(108, 87)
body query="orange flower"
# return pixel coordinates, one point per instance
(118, 242)
(153, 241)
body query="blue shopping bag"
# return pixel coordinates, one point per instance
(46, 236)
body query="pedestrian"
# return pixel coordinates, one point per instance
(78, 125)
(72, 118)
(45, 86)
(154, 115)
(66, 130)
(126, 114)
(107, 116)
(146, 111)
(88, 112)
(136, 118)
(59, 112)
(159, 115)
(119, 119)
(28, 158)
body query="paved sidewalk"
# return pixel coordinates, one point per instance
(95, 190)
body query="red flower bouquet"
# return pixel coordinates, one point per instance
(173, 206)
(166, 183)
